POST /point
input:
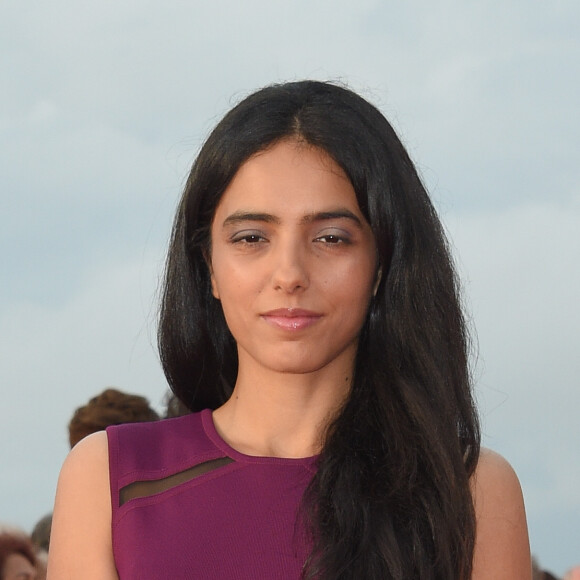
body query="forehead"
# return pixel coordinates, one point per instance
(290, 178)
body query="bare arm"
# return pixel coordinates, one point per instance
(502, 550)
(80, 543)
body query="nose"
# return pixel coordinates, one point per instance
(290, 271)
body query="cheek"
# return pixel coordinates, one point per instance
(351, 296)
(232, 284)
(355, 282)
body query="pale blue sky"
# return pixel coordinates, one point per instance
(102, 108)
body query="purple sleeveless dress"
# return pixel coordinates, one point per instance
(187, 505)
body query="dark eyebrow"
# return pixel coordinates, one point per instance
(242, 216)
(331, 215)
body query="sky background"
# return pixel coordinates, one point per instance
(103, 106)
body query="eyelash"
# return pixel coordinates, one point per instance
(247, 238)
(336, 239)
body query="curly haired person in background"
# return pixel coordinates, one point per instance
(111, 407)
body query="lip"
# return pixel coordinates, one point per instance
(291, 319)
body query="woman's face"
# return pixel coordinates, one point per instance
(293, 261)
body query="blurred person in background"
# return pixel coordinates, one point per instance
(40, 537)
(174, 407)
(111, 407)
(17, 557)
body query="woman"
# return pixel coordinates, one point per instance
(310, 314)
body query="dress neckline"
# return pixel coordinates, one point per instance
(211, 431)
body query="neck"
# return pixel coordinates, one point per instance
(281, 414)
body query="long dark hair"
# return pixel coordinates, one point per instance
(391, 495)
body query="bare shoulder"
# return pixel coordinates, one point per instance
(502, 550)
(494, 476)
(80, 543)
(91, 453)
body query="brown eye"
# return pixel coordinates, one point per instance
(248, 238)
(330, 239)
(333, 239)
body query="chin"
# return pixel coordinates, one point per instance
(298, 367)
